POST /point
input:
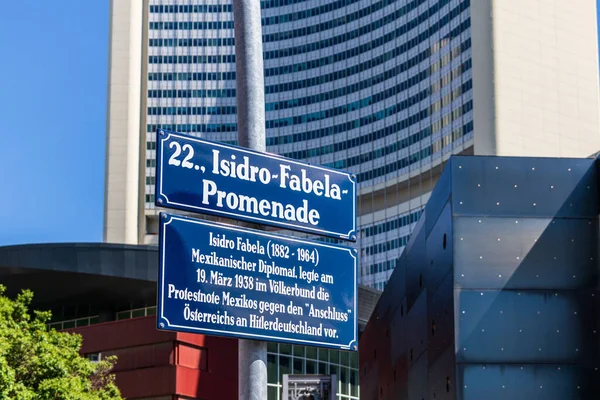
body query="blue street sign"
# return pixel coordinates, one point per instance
(201, 176)
(223, 280)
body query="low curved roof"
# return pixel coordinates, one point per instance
(92, 273)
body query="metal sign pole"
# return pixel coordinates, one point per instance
(252, 356)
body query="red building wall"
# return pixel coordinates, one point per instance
(153, 363)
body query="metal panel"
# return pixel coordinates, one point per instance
(527, 326)
(519, 186)
(416, 322)
(418, 379)
(532, 253)
(415, 259)
(441, 320)
(442, 381)
(526, 382)
(399, 334)
(439, 197)
(439, 251)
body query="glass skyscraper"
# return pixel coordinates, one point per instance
(387, 89)
(384, 89)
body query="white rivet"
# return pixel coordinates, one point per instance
(515, 185)
(482, 293)
(502, 386)
(499, 275)
(501, 348)
(483, 330)
(460, 166)
(578, 387)
(541, 387)
(461, 202)
(551, 186)
(559, 368)
(575, 312)
(521, 367)
(496, 167)
(498, 203)
(569, 170)
(463, 312)
(500, 311)
(534, 204)
(464, 349)
(462, 239)
(520, 330)
(533, 168)
(465, 386)
(573, 276)
(478, 185)
(572, 240)
(540, 349)
(516, 222)
(538, 312)
(480, 257)
(537, 276)
(557, 331)
(479, 221)
(576, 349)
(498, 239)
(483, 367)
(518, 258)
(462, 275)
(555, 257)
(594, 332)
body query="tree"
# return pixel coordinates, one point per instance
(37, 363)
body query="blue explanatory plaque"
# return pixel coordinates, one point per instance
(223, 280)
(202, 176)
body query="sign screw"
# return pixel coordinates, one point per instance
(160, 201)
(161, 132)
(354, 347)
(355, 251)
(161, 325)
(164, 216)
(353, 237)
(353, 176)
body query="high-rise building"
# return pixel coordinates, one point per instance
(387, 89)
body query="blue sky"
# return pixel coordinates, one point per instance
(53, 109)
(53, 116)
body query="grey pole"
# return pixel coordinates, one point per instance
(249, 74)
(252, 354)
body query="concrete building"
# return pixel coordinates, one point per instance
(387, 89)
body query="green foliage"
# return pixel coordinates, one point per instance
(41, 364)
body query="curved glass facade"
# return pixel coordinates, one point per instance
(382, 89)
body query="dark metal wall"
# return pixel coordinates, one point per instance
(496, 294)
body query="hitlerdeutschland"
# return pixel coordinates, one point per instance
(289, 327)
